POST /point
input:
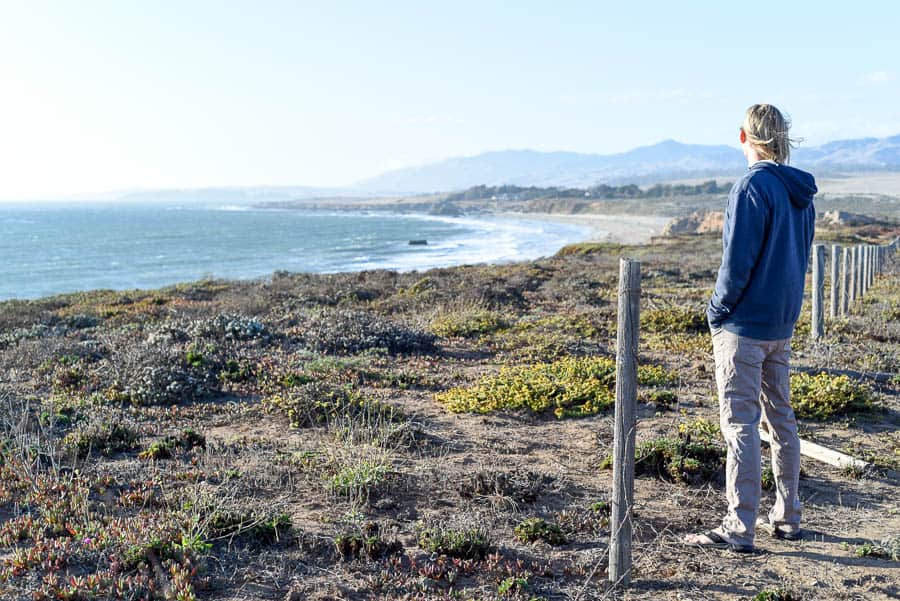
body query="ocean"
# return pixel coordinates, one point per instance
(46, 250)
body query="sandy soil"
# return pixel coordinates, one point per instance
(876, 183)
(624, 229)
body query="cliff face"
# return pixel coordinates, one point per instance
(844, 218)
(698, 222)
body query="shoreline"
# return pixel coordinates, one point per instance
(622, 229)
(540, 237)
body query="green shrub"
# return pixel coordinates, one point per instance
(823, 396)
(888, 548)
(105, 438)
(656, 375)
(236, 372)
(345, 331)
(464, 543)
(570, 387)
(778, 594)
(534, 529)
(421, 286)
(194, 357)
(364, 542)
(662, 399)
(768, 479)
(164, 448)
(358, 480)
(512, 586)
(693, 457)
(158, 449)
(318, 403)
(262, 526)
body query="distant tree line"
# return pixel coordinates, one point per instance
(600, 191)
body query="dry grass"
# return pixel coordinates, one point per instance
(299, 450)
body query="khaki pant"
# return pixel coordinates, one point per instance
(753, 381)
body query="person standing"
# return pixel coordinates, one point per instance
(767, 236)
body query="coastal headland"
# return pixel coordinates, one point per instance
(421, 435)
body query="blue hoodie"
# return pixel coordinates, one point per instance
(769, 227)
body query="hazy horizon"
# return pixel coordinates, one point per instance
(102, 97)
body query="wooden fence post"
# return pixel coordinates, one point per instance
(872, 265)
(818, 292)
(624, 434)
(857, 255)
(845, 281)
(834, 308)
(868, 267)
(864, 276)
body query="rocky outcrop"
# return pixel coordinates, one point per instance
(446, 209)
(844, 218)
(698, 222)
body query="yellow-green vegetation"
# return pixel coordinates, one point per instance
(663, 400)
(317, 403)
(589, 248)
(472, 542)
(888, 548)
(698, 345)
(573, 386)
(700, 428)
(776, 594)
(357, 480)
(822, 396)
(675, 319)
(577, 324)
(467, 322)
(262, 526)
(535, 529)
(550, 337)
(512, 586)
(166, 447)
(421, 286)
(656, 375)
(570, 387)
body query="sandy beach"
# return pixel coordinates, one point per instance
(625, 229)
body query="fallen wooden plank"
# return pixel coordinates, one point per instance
(820, 453)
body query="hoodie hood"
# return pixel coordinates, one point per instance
(800, 185)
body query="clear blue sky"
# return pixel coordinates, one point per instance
(99, 96)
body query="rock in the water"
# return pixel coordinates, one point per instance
(418, 242)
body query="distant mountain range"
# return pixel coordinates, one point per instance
(659, 162)
(665, 161)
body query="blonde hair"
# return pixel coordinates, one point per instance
(767, 129)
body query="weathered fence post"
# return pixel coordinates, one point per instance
(864, 271)
(845, 281)
(818, 292)
(857, 256)
(624, 434)
(834, 309)
(871, 266)
(868, 267)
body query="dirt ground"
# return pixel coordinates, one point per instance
(344, 500)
